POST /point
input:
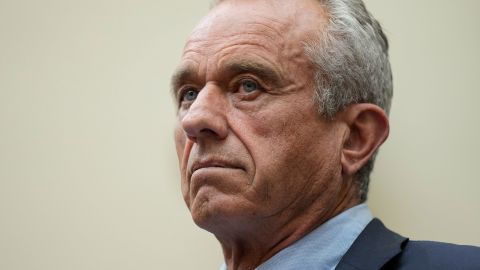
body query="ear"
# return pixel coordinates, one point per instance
(367, 128)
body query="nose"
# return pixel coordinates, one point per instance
(206, 117)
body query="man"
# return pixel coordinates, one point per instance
(282, 106)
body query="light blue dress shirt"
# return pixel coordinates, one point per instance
(324, 247)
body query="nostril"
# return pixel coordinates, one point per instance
(195, 135)
(208, 132)
(192, 138)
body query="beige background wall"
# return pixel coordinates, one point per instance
(88, 174)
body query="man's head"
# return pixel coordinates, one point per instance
(280, 112)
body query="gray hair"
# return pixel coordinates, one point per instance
(350, 55)
(352, 66)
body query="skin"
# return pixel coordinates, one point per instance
(259, 167)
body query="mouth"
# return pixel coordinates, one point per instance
(214, 172)
(212, 163)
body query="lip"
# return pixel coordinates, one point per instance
(212, 163)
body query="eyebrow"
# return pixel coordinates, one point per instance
(181, 74)
(232, 67)
(239, 66)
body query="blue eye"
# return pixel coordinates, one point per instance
(249, 86)
(190, 95)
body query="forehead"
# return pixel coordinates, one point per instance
(266, 21)
(237, 17)
(265, 32)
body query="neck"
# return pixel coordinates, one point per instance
(254, 242)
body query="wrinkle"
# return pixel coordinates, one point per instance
(277, 32)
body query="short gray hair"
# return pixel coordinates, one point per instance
(351, 63)
(350, 55)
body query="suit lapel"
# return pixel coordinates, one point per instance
(373, 248)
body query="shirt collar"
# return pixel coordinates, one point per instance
(323, 247)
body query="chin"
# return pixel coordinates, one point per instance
(207, 205)
(212, 210)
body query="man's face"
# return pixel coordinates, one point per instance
(250, 142)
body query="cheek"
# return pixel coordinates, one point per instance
(289, 151)
(182, 149)
(274, 132)
(271, 141)
(180, 140)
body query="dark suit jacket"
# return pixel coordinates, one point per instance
(378, 248)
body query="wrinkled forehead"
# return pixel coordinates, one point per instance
(292, 19)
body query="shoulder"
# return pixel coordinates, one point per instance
(378, 248)
(436, 255)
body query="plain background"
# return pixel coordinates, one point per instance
(88, 172)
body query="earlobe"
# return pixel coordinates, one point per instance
(367, 128)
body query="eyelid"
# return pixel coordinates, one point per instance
(182, 90)
(238, 81)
